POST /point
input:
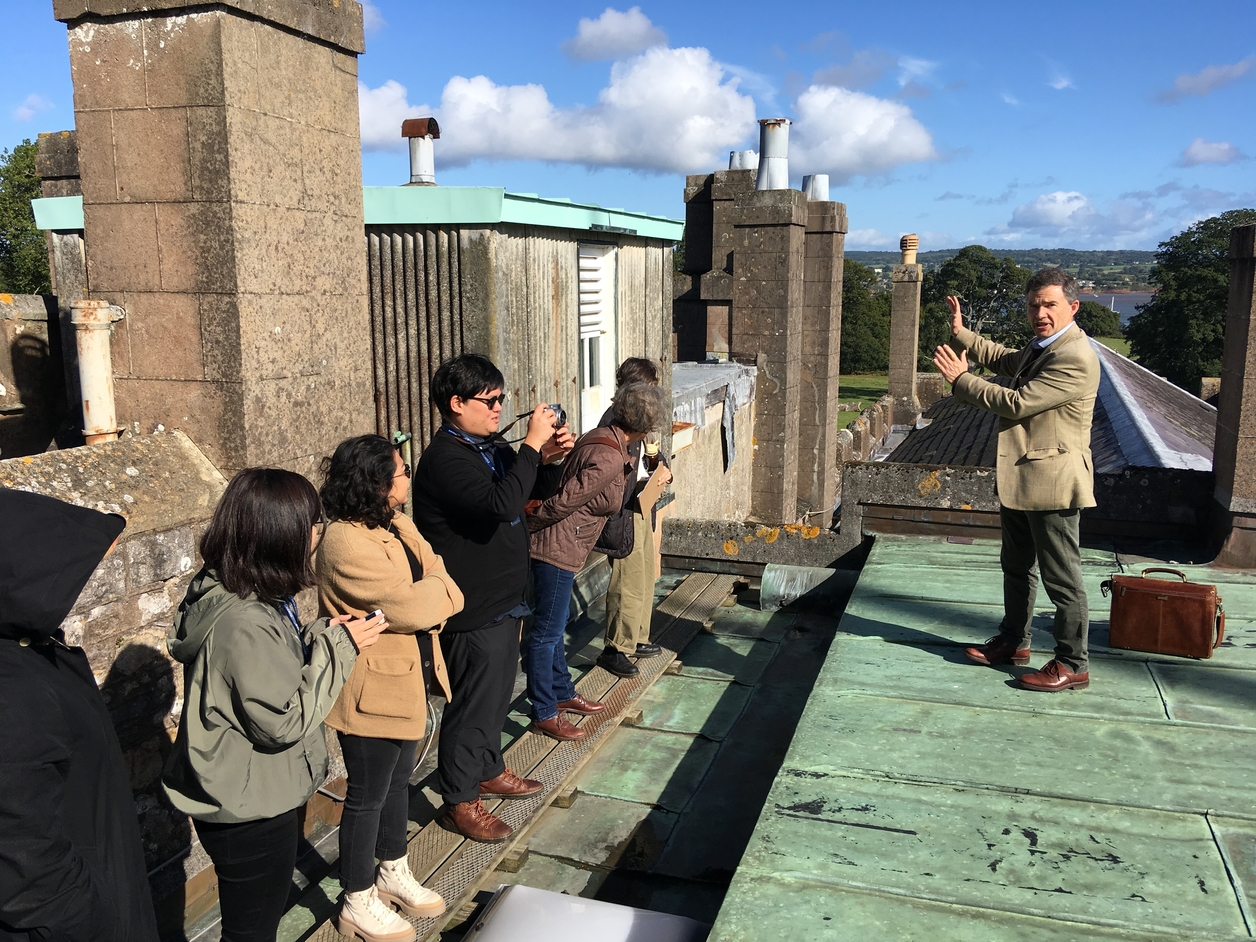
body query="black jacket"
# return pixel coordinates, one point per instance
(473, 517)
(71, 862)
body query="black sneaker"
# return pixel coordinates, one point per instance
(617, 663)
(648, 649)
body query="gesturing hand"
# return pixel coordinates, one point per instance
(957, 319)
(949, 363)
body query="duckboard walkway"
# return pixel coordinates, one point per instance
(456, 867)
(927, 798)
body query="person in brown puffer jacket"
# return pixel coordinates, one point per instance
(563, 530)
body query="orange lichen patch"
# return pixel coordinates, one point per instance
(773, 535)
(6, 299)
(965, 506)
(731, 547)
(802, 530)
(748, 538)
(930, 484)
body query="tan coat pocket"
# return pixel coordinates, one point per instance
(389, 687)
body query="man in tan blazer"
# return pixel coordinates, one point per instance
(1045, 474)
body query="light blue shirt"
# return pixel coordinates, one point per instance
(1043, 342)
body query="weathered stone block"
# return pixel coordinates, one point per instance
(220, 336)
(132, 226)
(156, 557)
(107, 65)
(198, 248)
(162, 336)
(107, 583)
(94, 133)
(183, 59)
(151, 162)
(209, 168)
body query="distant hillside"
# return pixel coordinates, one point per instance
(1072, 259)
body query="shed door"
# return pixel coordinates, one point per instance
(597, 332)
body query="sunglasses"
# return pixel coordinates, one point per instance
(490, 401)
(405, 472)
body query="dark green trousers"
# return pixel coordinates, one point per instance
(1045, 542)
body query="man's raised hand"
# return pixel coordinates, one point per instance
(949, 363)
(957, 319)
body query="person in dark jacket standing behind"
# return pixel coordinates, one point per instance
(469, 494)
(71, 862)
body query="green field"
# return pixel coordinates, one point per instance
(866, 388)
(1119, 344)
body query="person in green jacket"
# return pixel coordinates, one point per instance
(256, 686)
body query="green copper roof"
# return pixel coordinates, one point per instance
(445, 205)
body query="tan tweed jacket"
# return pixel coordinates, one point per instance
(359, 570)
(1044, 418)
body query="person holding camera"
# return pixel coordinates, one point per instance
(564, 528)
(373, 558)
(257, 685)
(630, 593)
(470, 488)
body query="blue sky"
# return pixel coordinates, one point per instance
(1088, 125)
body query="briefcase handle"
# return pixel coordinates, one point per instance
(1173, 572)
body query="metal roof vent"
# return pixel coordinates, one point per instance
(816, 186)
(773, 154)
(421, 132)
(743, 160)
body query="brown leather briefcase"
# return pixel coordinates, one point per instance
(1164, 617)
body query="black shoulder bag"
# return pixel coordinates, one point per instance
(618, 536)
(424, 638)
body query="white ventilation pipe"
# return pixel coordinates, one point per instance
(773, 154)
(421, 132)
(93, 326)
(816, 186)
(743, 160)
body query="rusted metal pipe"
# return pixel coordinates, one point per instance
(93, 326)
(421, 132)
(773, 154)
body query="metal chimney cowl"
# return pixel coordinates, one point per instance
(743, 160)
(773, 154)
(421, 132)
(816, 186)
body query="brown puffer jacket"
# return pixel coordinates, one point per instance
(565, 527)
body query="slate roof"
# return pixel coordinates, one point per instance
(1141, 420)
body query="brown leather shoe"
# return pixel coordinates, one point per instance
(472, 820)
(998, 650)
(509, 785)
(1054, 676)
(557, 728)
(579, 704)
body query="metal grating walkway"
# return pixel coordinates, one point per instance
(455, 867)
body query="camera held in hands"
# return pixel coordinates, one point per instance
(560, 416)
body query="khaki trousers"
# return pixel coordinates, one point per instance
(630, 595)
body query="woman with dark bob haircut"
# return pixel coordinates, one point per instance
(256, 686)
(372, 557)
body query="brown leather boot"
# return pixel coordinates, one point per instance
(472, 820)
(998, 650)
(509, 785)
(557, 728)
(579, 704)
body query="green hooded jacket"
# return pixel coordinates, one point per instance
(250, 743)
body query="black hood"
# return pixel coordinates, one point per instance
(48, 551)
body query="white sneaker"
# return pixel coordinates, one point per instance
(365, 916)
(397, 885)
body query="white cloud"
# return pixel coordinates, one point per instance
(910, 69)
(1058, 210)
(666, 110)
(868, 239)
(1206, 80)
(1010, 100)
(1060, 82)
(1210, 152)
(372, 19)
(613, 35)
(1072, 215)
(31, 106)
(380, 113)
(845, 133)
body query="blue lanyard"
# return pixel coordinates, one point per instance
(289, 605)
(490, 460)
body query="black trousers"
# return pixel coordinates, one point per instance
(376, 807)
(254, 863)
(482, 667)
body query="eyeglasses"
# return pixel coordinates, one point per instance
(490, 401)
(405, 472)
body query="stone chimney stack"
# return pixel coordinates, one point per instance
(1234, 462)
(221, 174)
(905, 333)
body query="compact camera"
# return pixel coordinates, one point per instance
(561, 415)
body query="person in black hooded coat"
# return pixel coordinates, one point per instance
(71, 862)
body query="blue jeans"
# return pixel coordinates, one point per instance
(544, 653)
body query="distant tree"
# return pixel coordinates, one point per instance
(865, 322)
(935, 330)
(991, 289)
(1179, 333)
(1098, 321)
(23, 251)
